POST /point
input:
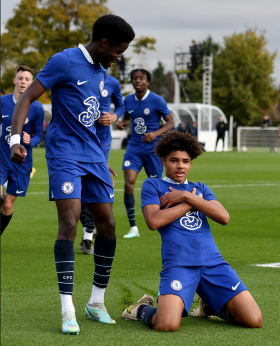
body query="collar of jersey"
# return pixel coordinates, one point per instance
(173, 181)
(144, 97)
(14, 99)
(86, 54)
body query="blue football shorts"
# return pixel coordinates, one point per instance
(17, 183)
(90, 182)
(151, 163)
(216, 285)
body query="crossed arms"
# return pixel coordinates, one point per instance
(156, 217)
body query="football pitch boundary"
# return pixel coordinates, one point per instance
(140, 182)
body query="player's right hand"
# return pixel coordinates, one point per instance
(18, 153)
(120, 125)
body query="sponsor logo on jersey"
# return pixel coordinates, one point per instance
(140, 128)
(88, 117)
(176, 285)
(104, 93)
(191, 221)
(67, 187)
(146, 111)
(101, 85)
(127, 163)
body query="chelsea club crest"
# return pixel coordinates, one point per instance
(67, 187)
(104, 93)
(176, 285)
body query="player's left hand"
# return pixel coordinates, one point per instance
(26, 138)
(174, 197)
(113, 173)
(148, 137)
(107, 119)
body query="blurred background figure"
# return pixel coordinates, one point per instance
(180, 128)
(121, 65)
(267, 122)
(194, 57)
(221, 128)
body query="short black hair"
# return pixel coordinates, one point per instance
(114, 28)
(145, 72)
(178, 141)
(25, 68)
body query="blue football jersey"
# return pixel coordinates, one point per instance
(111, 91)
(75, 83)
(187, 241)
(33, 126)
(145, 117)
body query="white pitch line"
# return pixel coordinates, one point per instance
(210, 186)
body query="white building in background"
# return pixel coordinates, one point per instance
(206, 117)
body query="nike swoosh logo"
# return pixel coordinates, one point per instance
(235, 287)
(130, 111)
(17, 191)
(5, 116)
(80, 83)
(111, 196)
(153, 176)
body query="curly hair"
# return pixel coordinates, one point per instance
(178, 141)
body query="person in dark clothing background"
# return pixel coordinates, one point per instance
(121, 65)
(221, 128)
(266, 122)
(194, 57)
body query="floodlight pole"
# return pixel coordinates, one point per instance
(181, 69)
(207, 79)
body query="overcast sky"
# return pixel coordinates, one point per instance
(180, 21)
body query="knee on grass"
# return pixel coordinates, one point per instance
(255, 321)
(166, 326)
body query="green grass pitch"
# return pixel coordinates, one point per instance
(247, 184)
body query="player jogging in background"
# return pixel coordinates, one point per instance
(144, 111)
(18, 176)
(111, 91)
(77, 167)
(191, 261)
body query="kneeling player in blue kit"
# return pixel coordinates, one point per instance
(191, 261)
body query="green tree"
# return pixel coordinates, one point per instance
(194, 83)
(143, 43)
(41, 28)
(163, 83)
(242, 82)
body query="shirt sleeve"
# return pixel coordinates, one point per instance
(208, 195)
(162, 108)
(55, 71)
(118, 100)
(125, 109)
(149, 194)
(38, 127)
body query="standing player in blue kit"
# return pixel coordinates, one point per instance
(18, 177)
(144, 111)
(76, 164)
(111, 91)
(191, 261)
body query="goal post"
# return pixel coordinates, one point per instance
(258, 139)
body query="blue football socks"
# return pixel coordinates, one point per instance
(129, 203)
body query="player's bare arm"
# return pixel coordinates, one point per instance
(107, 119)
(26, 138)
(212, 209)
(156, 217)
(122, 124)
(150, 136)
(32, 93)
